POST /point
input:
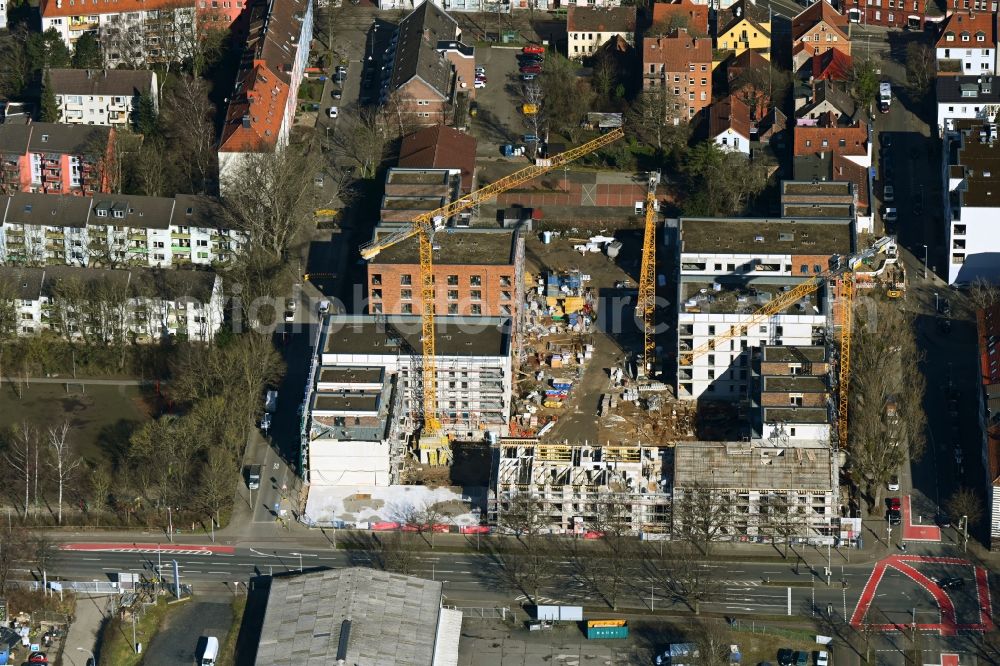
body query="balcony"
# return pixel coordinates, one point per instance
(139, 250)
(137, 236)
(180, 248)
(55, 235)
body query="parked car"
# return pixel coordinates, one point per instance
(894, 517)
(527, 77)
(889, 194)
(822, 658)
(950, 583)
(801, 658)
(533, 48)
(480, 69)
(265, 422)
(890, 216)
(482, 78)
(894, 482)
(942, 520)
(336, 94)
(786, 657)
(526, 58)
(531, 69)
(893, 503)
(333, 112)
(479, 84)
(530, 138)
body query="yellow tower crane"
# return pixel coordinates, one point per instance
(842, 271)
(424, 226)
(646, 303)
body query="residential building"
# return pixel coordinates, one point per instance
(830, 152)
(833, 65)
(54, 159)
(115, 306)
(358, 616)
(820, 198)
(791, 400)
(729, 268)
(473, 365)
(898, 14)
(972, 207)
(265, 96)
(817, 29)
(3, 14)
(968, 44)
(966, 98)
(747, 75)
(988, 403)
(743, 25)
(758, 491)
(668, 16)
(588, 28)
(479, 272)
(429, 65)
(102, 97)
(114, 230)
(828, 99)
(441, 147)
(730, 126)
(576, 487)
(681, 65)
(413, 192)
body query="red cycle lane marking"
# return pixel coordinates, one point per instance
(949, 624)
(913, 532)
(147, 547)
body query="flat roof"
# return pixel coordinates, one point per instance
(812, 415)
(476, 247)
(745, 465)
(823, 210)
(400, 334)
(766, 236)
(981, 158)
(793, 353)
(404, 176)
(393, 618)
(340, 374)
(412, 202)
(821, 188)
(794, 384)
(736, 296)
(336, 401)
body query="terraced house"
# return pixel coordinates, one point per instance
(54, 159)
(115, 230)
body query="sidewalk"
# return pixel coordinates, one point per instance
(85, 630)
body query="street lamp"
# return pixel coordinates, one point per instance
(170, 525)
(965, 533)
(300, 560)
(925, 261)
(91, 660)
(937, 307)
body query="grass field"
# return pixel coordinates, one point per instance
(100, 417)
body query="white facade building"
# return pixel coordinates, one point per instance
(590, 27)
(105, 97)
(732, 267)
(3, 14)
(117, 306)
(972, 201)
(968, 43)
(966, 98)
(115, 230)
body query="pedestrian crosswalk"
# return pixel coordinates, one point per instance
(740, 583)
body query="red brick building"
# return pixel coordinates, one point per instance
(681, 64)
(476, 272)
(817, 29)
(887, 13)
(440, 147)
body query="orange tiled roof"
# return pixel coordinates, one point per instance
(821, 10)
(809, 140)
(729, 112)
(697, 14)
(55, 8)
(254, 119)
(964, 29)
(832, 64)
(676, 52)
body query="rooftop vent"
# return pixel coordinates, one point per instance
(345, 637)
(758, 238)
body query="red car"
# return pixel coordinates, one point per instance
(533, 48)
(531, 69)
(893, 503)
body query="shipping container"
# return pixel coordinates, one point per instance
(562, 386)
(594, 633)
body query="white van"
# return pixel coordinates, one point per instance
(211, 652)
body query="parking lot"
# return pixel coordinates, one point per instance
(499, 120)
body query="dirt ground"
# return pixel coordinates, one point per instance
(100, 417)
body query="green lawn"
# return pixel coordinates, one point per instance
(116, 640)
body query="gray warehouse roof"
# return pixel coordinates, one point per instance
(393, 619)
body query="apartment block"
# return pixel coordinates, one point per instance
(265, 95)
(968, 43)
(817, 29)
(115, 306)
(477, 272)
(824, 199)
(791, 399)
(729, 269)
(972, 207)
(413, 192)
(681, 65)
(54, 159)
(473, 363)
(577, 487)
(115, 230)
(757, 491)
(988, 336)
(975, 97)
(828, 151)
(102, 97)
(898, 14)
(589, 28)
(441, 147)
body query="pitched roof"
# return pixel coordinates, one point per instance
(729, 113)
(416, 49)
(832, 64)
(817, 12)
(440, 147)
(970, 25)
(601, 19)
(749, 59)
(52, 138)
(833, 92)
(743, 9)
(982, 89)
(809, 140)
(676, 51)
(697, 15)
(125, 82)
(54, 8)
(257, 105)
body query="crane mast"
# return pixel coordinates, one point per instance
(646, 305)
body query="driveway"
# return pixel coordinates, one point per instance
(186, 627)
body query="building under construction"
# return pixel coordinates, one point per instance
(571, 483)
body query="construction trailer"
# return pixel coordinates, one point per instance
(571, 486)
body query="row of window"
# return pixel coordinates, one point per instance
(407, 308)
(406, 280)
(475, 295)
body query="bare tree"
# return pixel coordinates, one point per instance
(365, 144)
(524, 516)
(12, 541)
(64, 461)
(658, 117)
(920, 66)
(781, 518)
(187, 124)
(20, 455)
(421, 518)
(216, 483)
(701, 515)
(101, 483)
(983, 293)
(398, 553)
(712, 639)
(965, 504)
(533, 96)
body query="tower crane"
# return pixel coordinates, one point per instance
(646, 303)
(843, 270)
(423, 226)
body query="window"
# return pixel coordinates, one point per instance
(406, 294)
(476, 280)
(959, 229)
(477, 295)
(453, 294)
(452, 280)
(504, 295)
(102, 212)
(119, 214)
(453, 308)
(376, 278)
(406, 308)
(477, 309)
(504, 280)
(406, 280)
(376, 293)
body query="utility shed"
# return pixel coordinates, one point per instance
(359, 615)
